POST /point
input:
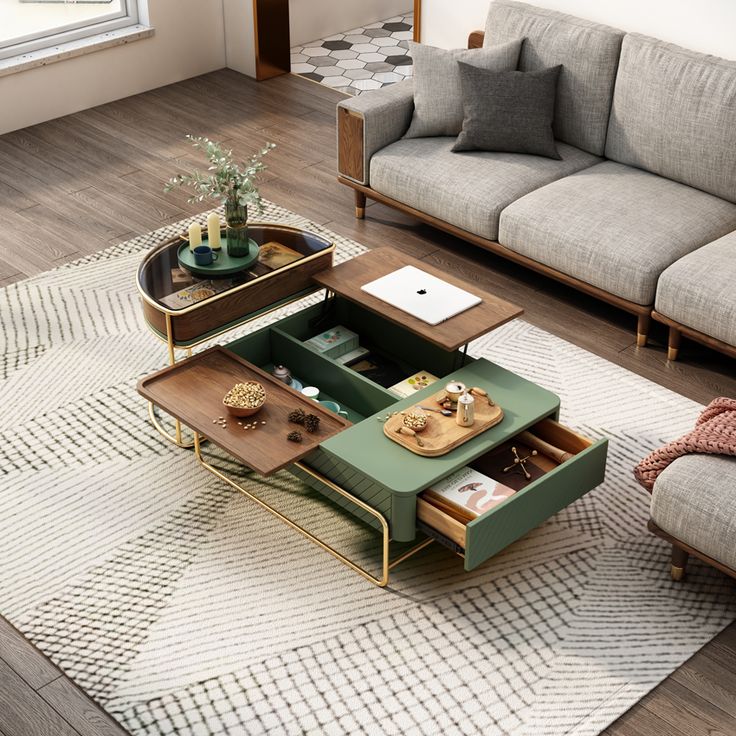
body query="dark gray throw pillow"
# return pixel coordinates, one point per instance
(438, 97)
(508, 111)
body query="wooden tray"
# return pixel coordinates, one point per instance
(442, 434)
(192, 391)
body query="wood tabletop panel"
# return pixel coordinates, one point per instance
(347, 279)
(193, 389)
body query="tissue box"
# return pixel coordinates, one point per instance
(408, 386)
(334, 342)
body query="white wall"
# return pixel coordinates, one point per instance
(313, 19)
(706, 25)
(188, 41)
(239, 36)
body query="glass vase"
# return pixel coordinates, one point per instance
(236, 230)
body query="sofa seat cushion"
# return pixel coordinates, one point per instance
(694, 500)
(699, 290)
(614, 227)
(467, 189)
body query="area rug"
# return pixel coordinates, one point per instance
(183, 608)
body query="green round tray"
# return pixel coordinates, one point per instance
(225, 265)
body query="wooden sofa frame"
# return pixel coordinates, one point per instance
(681, 552)
(350, 172)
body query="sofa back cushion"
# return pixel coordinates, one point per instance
(588, 53)
(674, 114)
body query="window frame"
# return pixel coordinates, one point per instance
(126, 16)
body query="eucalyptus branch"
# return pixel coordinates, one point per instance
(225, 179)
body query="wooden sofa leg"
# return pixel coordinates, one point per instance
(359, 205)
(679, 563)
(673, 343)
(642, 329)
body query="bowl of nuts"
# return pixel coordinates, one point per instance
(244, 399)
(415, 419)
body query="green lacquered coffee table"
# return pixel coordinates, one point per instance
(374, 478)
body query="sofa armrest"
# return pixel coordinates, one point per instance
(369, 122)
(475, 39)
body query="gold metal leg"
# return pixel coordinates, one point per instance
(386, 564)
(176, 438)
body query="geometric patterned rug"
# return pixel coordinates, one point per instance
(183, 608)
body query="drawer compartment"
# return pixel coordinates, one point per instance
(560, 485)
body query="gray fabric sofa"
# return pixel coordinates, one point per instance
(694, 508)
(647, 180)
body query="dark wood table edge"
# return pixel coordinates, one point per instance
(326, 279)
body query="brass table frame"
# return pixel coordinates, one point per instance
(386, 563)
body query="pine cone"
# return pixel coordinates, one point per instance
(297, 416)
(294, 436)
(311, 423)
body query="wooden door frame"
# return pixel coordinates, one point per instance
(272, 57)
(417, 20)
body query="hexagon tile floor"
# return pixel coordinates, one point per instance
(361, 59)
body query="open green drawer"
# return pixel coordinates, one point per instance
(487, 535)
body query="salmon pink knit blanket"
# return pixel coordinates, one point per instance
(714, 434)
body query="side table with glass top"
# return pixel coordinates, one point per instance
(184, 310)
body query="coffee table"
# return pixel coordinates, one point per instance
(353, 463)
(223, 304)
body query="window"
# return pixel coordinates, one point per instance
(30, 25)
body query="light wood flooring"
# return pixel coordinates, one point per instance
(78, 184)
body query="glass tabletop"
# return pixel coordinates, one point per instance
(162, 280)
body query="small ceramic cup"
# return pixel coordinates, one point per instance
(311, 392)
(333, 406)
(204, 255)
(454, 390)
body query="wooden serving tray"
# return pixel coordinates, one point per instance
(192, 391)
(442, 434)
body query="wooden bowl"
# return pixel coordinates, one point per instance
(241, 411)
(417, 430)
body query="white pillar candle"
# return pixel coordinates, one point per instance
(213, 230)
(195, 236)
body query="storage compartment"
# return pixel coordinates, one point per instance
(271, 346)
(582, 469)
(408, 352)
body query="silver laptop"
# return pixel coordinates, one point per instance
(422, 295)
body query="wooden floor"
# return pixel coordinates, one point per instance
(81, 183)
